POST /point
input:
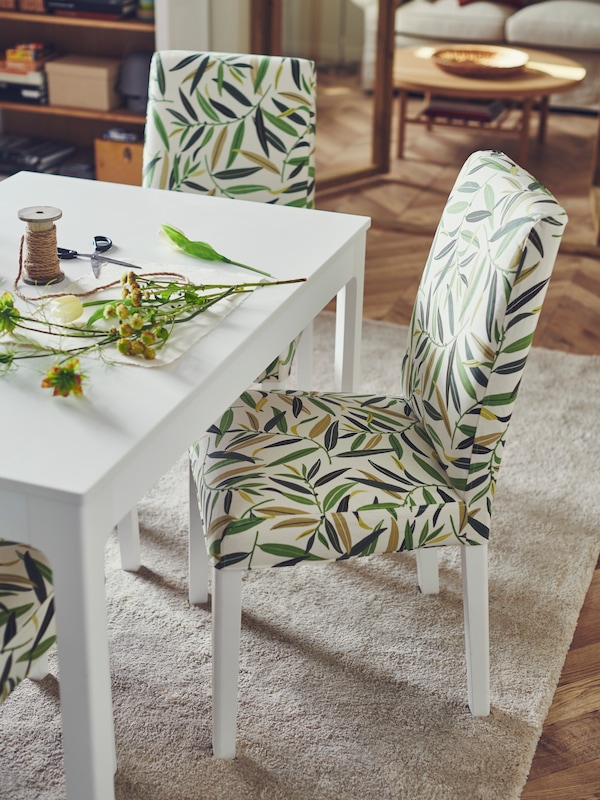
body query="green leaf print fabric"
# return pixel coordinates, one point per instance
(26, 612)
(284, 477)
(238, 126)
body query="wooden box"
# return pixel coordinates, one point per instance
(118, 162)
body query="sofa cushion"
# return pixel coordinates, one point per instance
(481, 21)
(567, 24)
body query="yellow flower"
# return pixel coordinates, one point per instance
(124, 346)
(66, 309)
(148, 338)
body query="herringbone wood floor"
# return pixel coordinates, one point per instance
(567, 761)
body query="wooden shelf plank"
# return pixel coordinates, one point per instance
(120, 115)
(131, 25)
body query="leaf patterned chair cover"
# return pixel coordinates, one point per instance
(26, 615)
(286, 478)
(238, 126)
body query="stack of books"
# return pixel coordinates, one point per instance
(26, 57)
(24, 87)
(31, 154)
(22, 76)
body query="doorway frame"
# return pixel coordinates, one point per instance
(266, 38)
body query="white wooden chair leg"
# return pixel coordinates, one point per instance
(128, 531)
(226, 619)
(39, 669)
(476, 607)
(427, 570)
(198, 565)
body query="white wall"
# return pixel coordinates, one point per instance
(230, 26)
(182, 24)
(326, 30)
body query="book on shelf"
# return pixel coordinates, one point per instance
(26, 87)
(32, 154)
(478, 110)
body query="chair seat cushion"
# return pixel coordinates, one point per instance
(285, 477)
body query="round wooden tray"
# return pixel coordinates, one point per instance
(480, 61)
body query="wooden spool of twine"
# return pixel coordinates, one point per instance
(41, 260)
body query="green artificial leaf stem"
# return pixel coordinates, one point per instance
(202, 250)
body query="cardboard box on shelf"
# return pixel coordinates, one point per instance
(84, 82)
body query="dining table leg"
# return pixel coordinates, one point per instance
(348, 324)
(128, 532)
(76, 555)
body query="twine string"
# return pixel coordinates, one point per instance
(49, 296)
(41, 263)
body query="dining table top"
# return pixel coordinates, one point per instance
(67, 446)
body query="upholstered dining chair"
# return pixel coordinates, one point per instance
(229, 125)
(26, 615)
(287, 478)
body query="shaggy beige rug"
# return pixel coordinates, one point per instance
(352, 684)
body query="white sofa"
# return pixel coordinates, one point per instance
(566, 27)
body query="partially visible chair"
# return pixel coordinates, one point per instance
(239, 126)
(229, 125)
(26, 615)
(297, 477)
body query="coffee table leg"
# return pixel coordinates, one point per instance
(524, 138)
(402, 103)
(543, 121)
(595, 186)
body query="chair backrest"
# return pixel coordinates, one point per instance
(26, 612)
(476, 312)
(240, 126)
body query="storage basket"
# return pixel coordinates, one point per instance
(8, 5)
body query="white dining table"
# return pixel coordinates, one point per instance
(72, 468)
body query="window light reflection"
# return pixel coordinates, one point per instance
(563, 71)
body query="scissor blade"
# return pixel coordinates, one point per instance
(95, 266)
(97, 261)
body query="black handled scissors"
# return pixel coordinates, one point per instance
(101, 245)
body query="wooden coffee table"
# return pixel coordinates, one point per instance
(545, 74)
